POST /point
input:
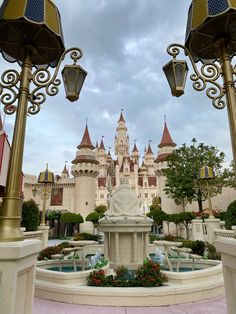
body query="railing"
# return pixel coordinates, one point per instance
(219, 233)
(33, 235)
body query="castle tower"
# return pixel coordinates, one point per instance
(135, 154)
(166, 148)
(121, 140)
(65, 173)
(85, 170)
(102, 158)
(149, 160)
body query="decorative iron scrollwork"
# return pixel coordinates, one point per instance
(209, 73)
(43, 80)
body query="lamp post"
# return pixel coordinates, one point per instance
(210, 39)
(205, 174)
(31, 34)
(45, 182)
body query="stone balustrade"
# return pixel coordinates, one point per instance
(219, 233)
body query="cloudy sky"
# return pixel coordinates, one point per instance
(124, 44)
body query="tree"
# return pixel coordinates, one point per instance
(230, 216)
(71, 218)
(182, 182)
(158, 216)
(186, 219)
(30, 215)
(101, 209)
(175, 218)
(93, 217)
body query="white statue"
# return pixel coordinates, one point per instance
(124, 202)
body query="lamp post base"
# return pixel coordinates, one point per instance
(17, 272)
(10, 229)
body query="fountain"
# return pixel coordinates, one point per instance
(126, 242)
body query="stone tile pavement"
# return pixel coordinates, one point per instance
(211, 306)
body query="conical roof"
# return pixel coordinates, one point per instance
(102, 145)
(121, 119)
(166, 138)
(65, 170)
(149, 150)
(86, 141)
(135, 149)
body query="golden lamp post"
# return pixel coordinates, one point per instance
(45, 182)
(31, 34)
(205, 174)
(211, 40)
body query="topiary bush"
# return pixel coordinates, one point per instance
(87, 236)
(30, 215)
(230, 216)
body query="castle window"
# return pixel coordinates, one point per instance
(102, 196)
(146, 195)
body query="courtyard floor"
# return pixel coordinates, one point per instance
(216, 306)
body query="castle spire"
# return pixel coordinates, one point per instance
(102, 144)
(149, 150)
(121, 119)
(86, 141)
(135, 149)
(166, 138)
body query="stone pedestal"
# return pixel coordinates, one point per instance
(125, 229)
(227, 247)
(45, 230)
(17, 273)
(211, 225)
(197, 230)
(126, 240)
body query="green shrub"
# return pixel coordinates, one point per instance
(71, 218)
(212, 253)
(230, 216)
(197, 247)
(51, 250)
(153, 237)
(87, 236)
(30, 215)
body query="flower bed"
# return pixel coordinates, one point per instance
(147, 275)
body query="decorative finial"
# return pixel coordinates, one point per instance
(86, 121)
(164, 118)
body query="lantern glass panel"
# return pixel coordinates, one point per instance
(73, 77)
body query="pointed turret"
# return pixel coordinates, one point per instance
(166, 138)
(135, 153)
(65, 172)
(149, 150)
(85, 151)
(86, 141)
(102, 145)
(166, 146)
(121, 139)
(121, 119)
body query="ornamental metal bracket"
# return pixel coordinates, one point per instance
(209, 73)
(41, 78)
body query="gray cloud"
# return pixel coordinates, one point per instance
(124, 44)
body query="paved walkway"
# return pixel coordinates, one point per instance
(212, 306)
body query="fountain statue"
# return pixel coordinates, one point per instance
(125, 229)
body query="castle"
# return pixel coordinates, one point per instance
(95, 175)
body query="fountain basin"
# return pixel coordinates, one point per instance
(181, 288)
